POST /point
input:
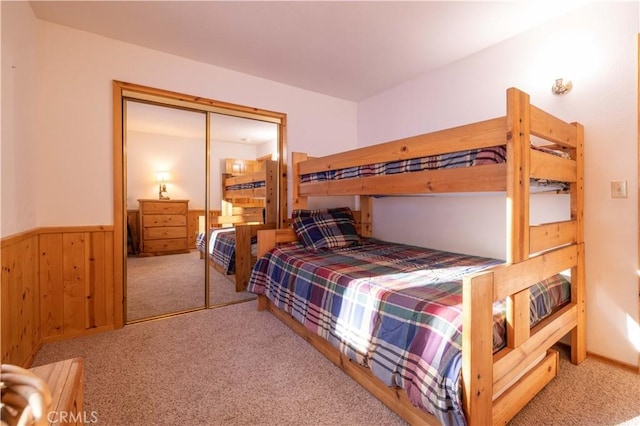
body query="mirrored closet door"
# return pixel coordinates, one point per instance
(194, 180)
(242, 200)
(165, 191)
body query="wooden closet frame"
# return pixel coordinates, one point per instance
(495, 386)
(120, 92)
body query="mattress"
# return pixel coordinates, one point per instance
(222, 247)
(393, 308)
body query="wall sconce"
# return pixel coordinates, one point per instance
(163, 177)
(560, 88)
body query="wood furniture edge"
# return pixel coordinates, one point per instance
(244, 258)
(66, 382)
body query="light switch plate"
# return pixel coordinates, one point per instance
(619, 189)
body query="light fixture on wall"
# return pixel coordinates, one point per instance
(163, 178)
(560, 87)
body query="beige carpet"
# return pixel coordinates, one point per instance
(237, 366)
(158, 285)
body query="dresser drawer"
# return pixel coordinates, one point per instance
(162, 207)
(152, 246)
(165, 232)
(154, 220)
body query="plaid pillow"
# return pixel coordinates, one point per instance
(326, 230)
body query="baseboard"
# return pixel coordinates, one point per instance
(615, 363)
(73, 335)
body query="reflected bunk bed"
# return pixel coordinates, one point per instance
(250, 205)
(491, 384)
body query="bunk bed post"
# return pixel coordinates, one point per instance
(518, 172)
(518, 125)
(298, 201)
(578, 286)
(477, 348)
(366, 217)
(243, 256)
(271, 188)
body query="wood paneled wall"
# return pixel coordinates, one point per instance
(20, 306)
(57, 283)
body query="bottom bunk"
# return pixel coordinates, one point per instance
(232, 251)
(391, 316)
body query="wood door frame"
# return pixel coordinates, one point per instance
(122, 91)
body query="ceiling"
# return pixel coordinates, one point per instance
(347, 49)
(164, 120)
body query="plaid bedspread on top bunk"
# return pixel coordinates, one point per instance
(247, 185)
(393, 308)
(469, 158)
(475, 157)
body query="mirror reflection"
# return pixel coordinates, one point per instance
(165, 192)
(170, 241)
(243, 199)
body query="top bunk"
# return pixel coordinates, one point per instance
(526, 145)
(249, 179)
(249, 192)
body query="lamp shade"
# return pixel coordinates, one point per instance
(162, 176)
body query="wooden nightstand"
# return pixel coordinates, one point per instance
(163, 227)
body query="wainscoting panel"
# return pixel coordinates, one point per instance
(76, 281)
(20, 299)
(57, 283)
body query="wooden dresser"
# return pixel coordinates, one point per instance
(163, 227)
(65, 380)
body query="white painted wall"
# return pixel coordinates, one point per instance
(595, 46)
(74, 108)
(183, 158)
(19, 65)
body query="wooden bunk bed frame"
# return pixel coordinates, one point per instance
(495, 386)
(269, 174)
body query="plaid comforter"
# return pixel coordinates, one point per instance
(468, 158)
(222, 248)
(393, 308)
(474, 157)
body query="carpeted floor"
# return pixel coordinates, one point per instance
(158, 285)
(236, 366)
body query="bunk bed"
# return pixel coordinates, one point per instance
(491, 383)
(249, 194)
